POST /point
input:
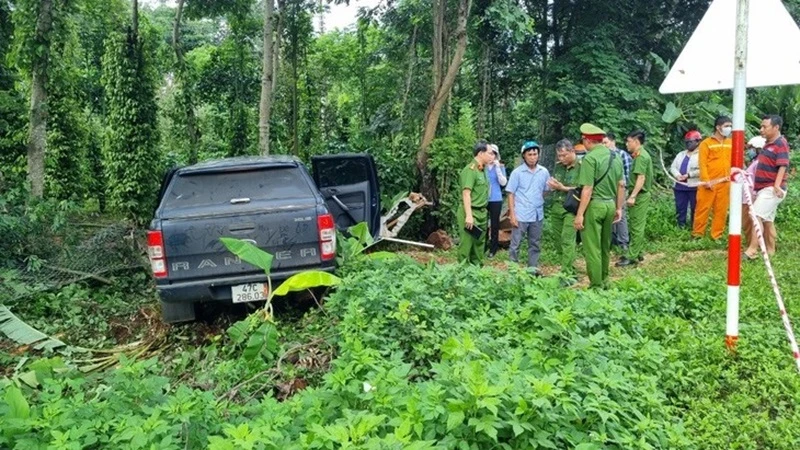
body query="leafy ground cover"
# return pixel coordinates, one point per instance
(419, 352)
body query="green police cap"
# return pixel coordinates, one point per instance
(588, 129)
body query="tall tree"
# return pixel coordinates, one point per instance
(13, 114)
(68, 132)
(299, 30)
(484, 78)
(131, 158)
(412, 62)
(185, 96)
(442, 84)
(37, 129)
(267, 76)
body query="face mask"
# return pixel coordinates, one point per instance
(691, 145)
(751, 153)
(726, 131)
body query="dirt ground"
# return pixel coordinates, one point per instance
(440, 257)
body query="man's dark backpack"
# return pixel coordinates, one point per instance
(573, 198)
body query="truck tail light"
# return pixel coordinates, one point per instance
(327, 236)
(155, 251)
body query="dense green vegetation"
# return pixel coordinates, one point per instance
(409, 354)
(99, 98)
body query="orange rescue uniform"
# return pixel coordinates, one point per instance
(715, 166)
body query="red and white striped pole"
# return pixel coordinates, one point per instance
(737, 160)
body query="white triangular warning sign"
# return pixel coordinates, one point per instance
(707, 61)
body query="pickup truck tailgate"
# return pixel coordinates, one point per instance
(193, 248)
(274, 209)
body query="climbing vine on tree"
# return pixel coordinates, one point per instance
(130, 155)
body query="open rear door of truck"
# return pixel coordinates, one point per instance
(349, 185)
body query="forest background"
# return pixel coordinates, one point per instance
(99, 98)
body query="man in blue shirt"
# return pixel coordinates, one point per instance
(526, 189)
(619, 231)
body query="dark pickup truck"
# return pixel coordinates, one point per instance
(272, 202)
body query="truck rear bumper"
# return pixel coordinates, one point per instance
(219, 289)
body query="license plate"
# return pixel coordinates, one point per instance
(251, 292)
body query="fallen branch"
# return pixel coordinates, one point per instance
(84, 275)
(275, 371)
(319, 305)
(235, 390)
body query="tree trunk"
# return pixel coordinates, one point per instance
(135, 18)
(276, 53)
(188, 99)
(441, 90)
(492, 102)
(321, 17)
(362, 73)
(37, 131)
(412, 62)
(648, 65)
(438, 33)
(544, 44)
(295, 100)
(556, 28)
(267, 75)
(485, 66)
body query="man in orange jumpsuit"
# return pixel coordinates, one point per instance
(713, 193)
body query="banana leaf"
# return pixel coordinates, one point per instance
(22, 333)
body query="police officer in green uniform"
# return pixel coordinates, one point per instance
(564, 178)
(472, 212)
(601, 203)
(639, 198)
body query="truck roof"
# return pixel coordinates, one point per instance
(240, 162)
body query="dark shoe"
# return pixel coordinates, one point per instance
(640, 258)
(624, 262)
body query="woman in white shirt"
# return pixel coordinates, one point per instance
(686, 170)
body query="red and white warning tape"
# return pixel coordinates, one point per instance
(689, 184)
(759, 233)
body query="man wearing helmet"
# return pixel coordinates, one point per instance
(526, 188)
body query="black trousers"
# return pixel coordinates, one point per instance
(685, 200)
(494, 226)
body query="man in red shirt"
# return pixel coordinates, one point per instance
(770, 183)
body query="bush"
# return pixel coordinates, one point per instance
(30, 227)
(437, 355)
